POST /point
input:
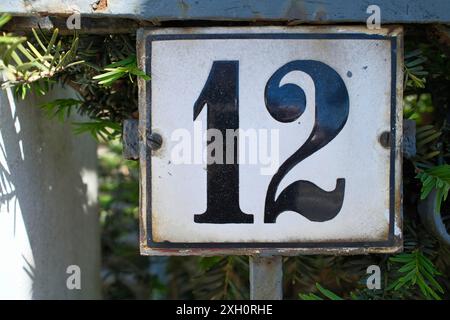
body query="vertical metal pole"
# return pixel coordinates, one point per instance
(266, 278)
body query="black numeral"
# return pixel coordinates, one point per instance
(221, 95)
(286, 104)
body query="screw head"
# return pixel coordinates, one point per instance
(385, 139)
(154, 141)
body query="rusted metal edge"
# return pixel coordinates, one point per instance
(398, 247)
(311, 11)
(144, 154)
(145, 162)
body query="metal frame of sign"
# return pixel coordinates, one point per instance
(393, 243)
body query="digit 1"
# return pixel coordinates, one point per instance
(221, 95)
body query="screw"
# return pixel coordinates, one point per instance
(154, 141)
(385, 139)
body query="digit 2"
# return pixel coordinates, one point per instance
(286, 104)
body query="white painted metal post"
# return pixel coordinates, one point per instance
(49, 226)
(266, 278)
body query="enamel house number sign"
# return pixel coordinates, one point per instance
(277, 140)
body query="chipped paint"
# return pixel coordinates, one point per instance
(311, 11)
(100, 5)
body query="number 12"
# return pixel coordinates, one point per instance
(285, 103)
